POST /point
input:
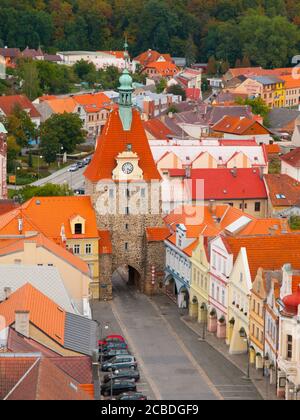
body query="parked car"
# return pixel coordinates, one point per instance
(109, 354)
(113, 346)
(123, 374)
(87, 161)
(120, 362)
(73, 168)
(118, 386)
(80, 164)
(111, 339)
(131, 396)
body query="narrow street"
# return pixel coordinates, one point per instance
(174, 363)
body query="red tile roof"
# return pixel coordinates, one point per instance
(157, 129)
(114, 140)
(38, 216)
(150, 56)
(269, 252)
(8, 103)
(283, 190)
(17, 245)
(45, 382)
(225, 184)
(272, 149)
(163, 68)
(292, 158)
(12, 370)
(6, 206)
(239, 126)
(105, 244)
(45, 314)
(157, 234)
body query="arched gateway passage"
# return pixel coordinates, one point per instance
(126, 276)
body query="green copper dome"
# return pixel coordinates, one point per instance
(125, 81)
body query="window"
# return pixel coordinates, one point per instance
(78, 229)
(257, 207)
(126, 246)
(88, 248)
(127, 210)
(143, 192)
(289, 347)
(76, 249)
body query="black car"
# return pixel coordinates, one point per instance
(131, 396)
(111, 353)
(123, 374)
(118, 386)
(120, 362)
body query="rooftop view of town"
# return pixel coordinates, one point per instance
(149, 201)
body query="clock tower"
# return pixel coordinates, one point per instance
(125, 187)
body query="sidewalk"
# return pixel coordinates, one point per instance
(262, 384)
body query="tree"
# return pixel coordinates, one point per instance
(161, 85)
(31, 84)
(48, 190)
(212, 66)
(30, 161)
(61, 130)
(13, 151)
(83, 68)
(177, 90)
(20, 126)
(258, 107)
(294, 222)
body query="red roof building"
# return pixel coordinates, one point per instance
(8, 103)
(240, 126)
(151, 56)
(161, 69)
(114, 140)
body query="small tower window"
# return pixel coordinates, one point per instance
(78, 229)
(129, 147)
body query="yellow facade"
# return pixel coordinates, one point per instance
(88, 250)
(199, 283)
(257, 311)
(279, 96)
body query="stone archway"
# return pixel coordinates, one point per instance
(171, 288)
(183, 298)
(128, 276)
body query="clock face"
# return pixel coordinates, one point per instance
(127, 168)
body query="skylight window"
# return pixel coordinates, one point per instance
(280, 196)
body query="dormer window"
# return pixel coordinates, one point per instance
(78, 229)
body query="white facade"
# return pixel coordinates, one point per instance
(259, 138)
(2, 67)
(100, 59)
(291, 171)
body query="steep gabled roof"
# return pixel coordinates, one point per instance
(239, 126)
(8, 103)
(292, 158)
(114, 140)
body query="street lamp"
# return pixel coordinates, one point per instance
(17, 168)
(105, 327)
(60, 151)
(39, 157)
(244, 336)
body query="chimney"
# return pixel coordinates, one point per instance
(22, 323)
(272, 231)
(234, 172)
(20, 225)
(7, 292)
(212, 206)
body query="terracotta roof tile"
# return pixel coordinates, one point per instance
(150, 56)
(283, 190)
(292, 158)
(61, 105)
(157, 234)
(164, 68)
(105, 244)
(157, 129)
(38, 216)
(12, 370)
(269, 252)
(45, 314)
(17, 245)
(7, 104)
(224, 183)
(239, 126)
(114, 140)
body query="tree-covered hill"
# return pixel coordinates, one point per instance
(266, 32)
